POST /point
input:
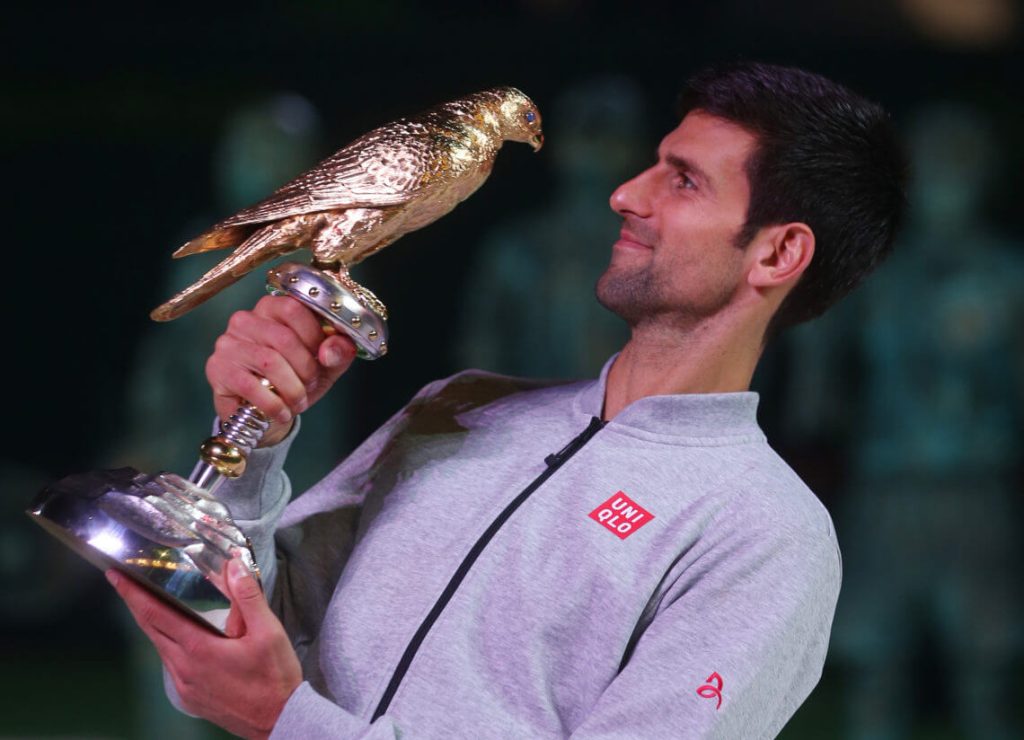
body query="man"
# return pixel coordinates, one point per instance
(623, 557)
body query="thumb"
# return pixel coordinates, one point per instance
(336, 353)
(247, 600)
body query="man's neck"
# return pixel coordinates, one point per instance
(658, 362)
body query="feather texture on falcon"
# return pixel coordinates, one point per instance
(385, 184)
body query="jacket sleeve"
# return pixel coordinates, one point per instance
(256, 501)
(258, 498)
(735, 647)
(301, 548)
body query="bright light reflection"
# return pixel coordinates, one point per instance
(109, 543)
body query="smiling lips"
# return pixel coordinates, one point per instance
(629, 241)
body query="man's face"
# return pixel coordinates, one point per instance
(676, 256)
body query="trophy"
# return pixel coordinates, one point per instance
(171, 534)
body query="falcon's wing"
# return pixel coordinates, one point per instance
(385, 167)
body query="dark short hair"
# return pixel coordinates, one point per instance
(826, 157)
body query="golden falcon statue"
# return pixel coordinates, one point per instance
(172, 534)
(388, 182)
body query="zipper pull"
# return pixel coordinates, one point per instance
(556, 459)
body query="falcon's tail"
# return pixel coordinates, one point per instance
(266, 244)
(216, 238)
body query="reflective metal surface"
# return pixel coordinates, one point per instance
(348, 307)
(224, 455)
(162, 531)
(172, 535)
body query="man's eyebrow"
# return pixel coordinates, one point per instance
(682, 163)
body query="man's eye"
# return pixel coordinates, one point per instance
(685, 182)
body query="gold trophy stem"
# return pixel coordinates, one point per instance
(342, 305)
(223, 455)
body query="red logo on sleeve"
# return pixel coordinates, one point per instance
(621, 515)
(712, 689)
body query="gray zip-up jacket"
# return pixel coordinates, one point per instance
(467, 572)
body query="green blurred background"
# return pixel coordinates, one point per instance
(129, 129)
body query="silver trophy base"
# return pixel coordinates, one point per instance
(161, 531)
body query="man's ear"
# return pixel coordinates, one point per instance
(780, 254)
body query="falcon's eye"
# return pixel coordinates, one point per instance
(530, 116)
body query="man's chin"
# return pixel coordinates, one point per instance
(627, 294)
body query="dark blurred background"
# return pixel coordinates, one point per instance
(130, 129)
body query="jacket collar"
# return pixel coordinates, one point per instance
(720, 416)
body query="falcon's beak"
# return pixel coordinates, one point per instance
(537, 142)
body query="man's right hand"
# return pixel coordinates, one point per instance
(280, 340)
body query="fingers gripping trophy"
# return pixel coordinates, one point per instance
(171, 534)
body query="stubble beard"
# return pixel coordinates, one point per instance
(630, 295)
(631, 291)
(640, 298)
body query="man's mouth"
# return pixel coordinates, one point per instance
(629, 240)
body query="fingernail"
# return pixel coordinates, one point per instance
(285, 416)
(112, 578)
(236, 570)
(332, 357)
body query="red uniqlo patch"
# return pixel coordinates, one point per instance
(622, 515)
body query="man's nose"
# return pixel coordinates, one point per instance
(632, 197)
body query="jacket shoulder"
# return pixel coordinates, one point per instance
(772, 498)
(473, 389)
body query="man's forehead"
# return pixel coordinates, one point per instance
(716, 144)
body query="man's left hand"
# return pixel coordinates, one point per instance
(240, 682)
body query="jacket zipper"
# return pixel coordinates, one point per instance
(554, 462)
